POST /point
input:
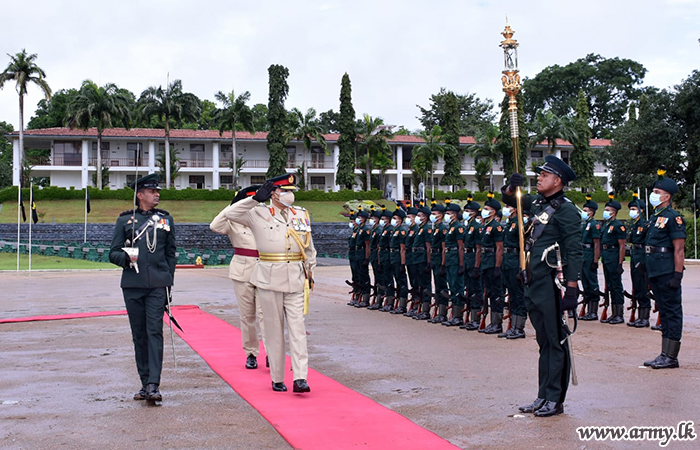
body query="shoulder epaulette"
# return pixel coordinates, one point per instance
(131, 211)
(161, 211)
(299, 208)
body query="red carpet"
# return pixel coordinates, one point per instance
(331, 416)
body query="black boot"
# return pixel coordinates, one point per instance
(153, 394)
(643, 320)
(413, 312)
(378, 303)
(473, 323)
(425, 312)
(388, 304)
(592, 313)
(456, 319)
(401, 308)
(441, 315)
(617, 317)
(365, 301)
(669, 355)
(518, 327)
(496, 324)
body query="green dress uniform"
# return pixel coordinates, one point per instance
(398, 268)
(145, 292)
(411, 269)
(637, 237)
(490, 233)
(454, 233)
(472, 272)
(442, 295)
(612, 231)
(590, 231)
(387, 270)
(352, 258)
(420, 261)
(511, 267)
(373, 251)
(364, 233)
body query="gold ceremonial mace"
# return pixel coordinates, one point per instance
(511, 86)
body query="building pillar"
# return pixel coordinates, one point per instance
(151, 156)
(16, 162)
(215, 165)
(85, 169)
(336, 158)
(399, 172)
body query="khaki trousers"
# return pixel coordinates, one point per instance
(276, 306)
(248, 308)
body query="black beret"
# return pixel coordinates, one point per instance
(590, 203)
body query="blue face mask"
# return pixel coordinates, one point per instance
(433, 218)
(447, 218)
(507, 213)
(584, 215)
(394, 222)
(655, 199)
(358, 221)
(607, 215)
(525, 219)
(466, 215)
(485, 213)
(372, 222)
(634, 213)
(381, 223)
(351, 225)
(409, 221)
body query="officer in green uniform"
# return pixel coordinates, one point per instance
(472, 263)
(491, 236)
(376, 224)
(149, 234)
(411, 212)
(555, 220)
(397, 258)
(665, 253)
(421, 255)
(352, 258)
(453, 261)
(613, 240)
(590, 241)
(438, 231)
(387, 303)
(362, 254)
(637, 237)
(511, 268)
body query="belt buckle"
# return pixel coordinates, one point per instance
(647, 249)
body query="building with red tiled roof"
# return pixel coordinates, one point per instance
(205, 158)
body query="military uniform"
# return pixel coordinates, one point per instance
(442, 295)
(511, 268)
(421, 245)
(145, 291)
(287, 259)
(352, 259)
(491, 237)
(472, 265)
(411, 268)
(375, 235)
(385, 262)
(590, 241)
(397, 258)
(637, 237)
(364, 234)
(454, 265)
(613, 231)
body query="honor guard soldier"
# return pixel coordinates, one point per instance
(590, 241)
(472, 263)
(287, 260)
(613, 241)
(376, 225)
(491, 237)
(442, 296)
(421, 258)
(384, 256)
(362, 254)
(397, 258)
(555, 221)
(411, 212)
(144, 246)
(665, 254)
(245, 257)
(453, 261)
(355, 293)
(511, 268)
(637, 237)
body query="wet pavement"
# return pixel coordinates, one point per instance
(68, 384)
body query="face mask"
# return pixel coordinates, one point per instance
(466, 215)
(351, 225)
(584, 215)
(655, 199)
(409, 221)
(447, 218)
(419, 220)
(381, 223)
(525, 219)
(287, 199)
(634, 213)
(394, 222)
(485, 213)
(358, 221)
(507, 212)
(433, 218)
(607, 215)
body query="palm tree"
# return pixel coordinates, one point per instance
(99, 106)
(23, 69)
(426, 155)
(171, 161)
(166, 105)
(306, 128)
(234, 114)
(486, 148)
(372, 144)
(549, 127)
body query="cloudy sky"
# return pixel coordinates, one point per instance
(397, 53)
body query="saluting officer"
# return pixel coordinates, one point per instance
(637, 238)
(511, 268)
(287, 259)
(453, 261)
(665, 254)
(421, 259)
(362, 254)
(436, 250)
(491, 236)
(245, 257)
(613, 241)
(590, 241)
(556, 220)
(397, 258)
(376, 225)
(472, 263)
(146, 278)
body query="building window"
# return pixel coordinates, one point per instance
(226, 179)
(291, 157)
(257, 179)
(536, 154)
(318, 180)
(565, 156)
(226, 152)
(67, 153)
(197, 181)
(129, 179)
(134, 153)
(318, 157)
(105, 151)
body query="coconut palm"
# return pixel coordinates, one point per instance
(486, 148)
(99, 106)
(425, 156)
(547, 126)
(235, 114)
(306, 128)
(168, 104)
(24, 71)
(372, 144)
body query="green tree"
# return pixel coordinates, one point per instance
(328, 121)
(52, 113)
(207, 119)
(373, 146)
(453, 160)
(259, 111)
(233, 114)
(582, 158)
(306, 129)
(24, 71)
(425, 156)
(172, 159)
(104, 178)
(505, 142)
(473, 112)
(347, 140)
(5, 156)
(481, 173)
(277, 118)
(100, 105)
(610, 84)
(549, 127)
(486, 149)
(686, 111)
(166, 105)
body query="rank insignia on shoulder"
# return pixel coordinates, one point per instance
(622, 228)
(679, 220)
(611, 228)
(512, 226)
(597, 226)
(430, 231)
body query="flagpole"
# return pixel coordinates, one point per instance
(19, 209)
(85, 230)
(31, 219)
(695, 217)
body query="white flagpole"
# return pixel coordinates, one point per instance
(31, 220)
(85, 230)
(19, 218)
(646, 199)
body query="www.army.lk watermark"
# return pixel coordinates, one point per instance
(684, 431)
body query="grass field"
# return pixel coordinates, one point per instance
(106, 211)
(8, 261)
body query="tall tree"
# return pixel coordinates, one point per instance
(505, 142)
(425, 156)
(24, 71)
(348, 136)
(52, 113)
(373, 146)
(453, 160)
(486, 149)
(260, 123)
(549, 127)
(306, 129)
(328, 121)
(609, 84)
(5, 156)
(686, 111)
(582, 158)
(234, 113)
(169, 104)
(473, 112)
(277, 118)
(100, 105)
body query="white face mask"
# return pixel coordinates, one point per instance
(433, 218)
(358, 221)
(287, 198)
(419, 220)
(634, 213)
(394, 222)
(584, 215)
(485, 213)
(409, 221)
(447, 218)
(507, 212)
(466, 215)
(655, 199)
(372, 221)
(607, 215)
(525, 219)
(351, 224)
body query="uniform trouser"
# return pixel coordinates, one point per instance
(455, 281)
(670, 307)
(589, 278)
(377, 272)
(475, 288)
(388, 275)
(423, 277)
(613, 281)
(276, 306)
(145, 308)
(363, 276)
(542, 302)
(516, 292)
(399, 273)
(639, 281)
(494, 289)
(440, 283)
(248, 309)
(412, 271)
(355, 272)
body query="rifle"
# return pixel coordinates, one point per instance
(508, 316)
(633, 304)
(583, 308)
(606, 302)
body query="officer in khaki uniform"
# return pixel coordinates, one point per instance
(245, 257)
(287, 259)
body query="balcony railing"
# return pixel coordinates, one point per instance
(117, 162)
(195, 162)
(40, 161)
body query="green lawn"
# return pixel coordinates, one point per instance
(8, 261)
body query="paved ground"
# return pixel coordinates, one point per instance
(67, 384)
